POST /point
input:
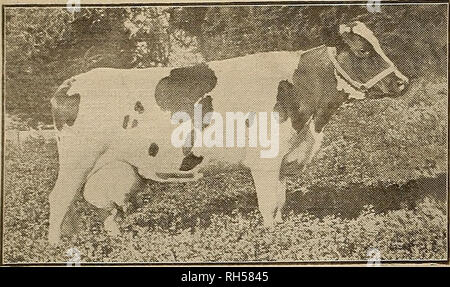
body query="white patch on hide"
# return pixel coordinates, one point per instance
(304, 148)
(302, 151)
(309, 146)
(342, 85)
(317, 137)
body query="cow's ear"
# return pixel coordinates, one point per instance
(346, 34)
(330, 36)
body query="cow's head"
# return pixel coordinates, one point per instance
(364, 65)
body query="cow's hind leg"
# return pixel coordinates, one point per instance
(108, 188)
(76, 160)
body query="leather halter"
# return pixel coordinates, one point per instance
(362, 87)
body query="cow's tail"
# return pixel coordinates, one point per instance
(59, 105)
(64, 107)
(54, 107)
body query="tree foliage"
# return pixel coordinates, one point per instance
(45, 46)
(414, 36)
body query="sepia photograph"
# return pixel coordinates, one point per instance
(214, 133)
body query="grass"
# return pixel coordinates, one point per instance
(379, 181)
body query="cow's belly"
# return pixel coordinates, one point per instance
(132, 146)
(249, 156)
(148, 147)
(137, 156)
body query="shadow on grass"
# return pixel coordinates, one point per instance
(349, 203)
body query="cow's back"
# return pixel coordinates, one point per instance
(249, 83)
(107, 96)
(246, 83)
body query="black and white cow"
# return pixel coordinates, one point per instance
(114, 126)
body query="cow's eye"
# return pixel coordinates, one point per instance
(364, 51)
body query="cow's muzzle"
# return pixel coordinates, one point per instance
(391, 86)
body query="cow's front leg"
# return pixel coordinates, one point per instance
(309, 141)
(281, 200)
(271, 194)
(111, 222)
(75, 163)
(316, 127)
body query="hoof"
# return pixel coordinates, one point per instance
(111, 223)
(278, 218)
(268, 222)
(54, 236)
(111, 226)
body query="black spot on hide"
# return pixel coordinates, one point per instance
(153, 150)
(183, 87)
(138, 107)
(126, 119)
(190, 161)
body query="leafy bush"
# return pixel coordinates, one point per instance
(44, 47)
(387, 141)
